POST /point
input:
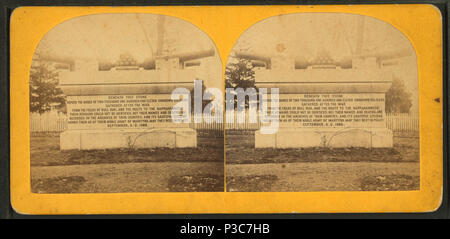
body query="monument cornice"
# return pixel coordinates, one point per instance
(126, 82)
(124, 88)
(323, 75)
(327, 87)
(127, 77)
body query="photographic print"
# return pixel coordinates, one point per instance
(101, 103)
(347, 106)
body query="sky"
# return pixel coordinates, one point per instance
(306, 34)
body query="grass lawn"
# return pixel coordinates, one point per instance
(240, 150)
(45, 152)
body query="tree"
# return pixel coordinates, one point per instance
(204, 102)
(240, 74)
(398, 100)
(44, 90)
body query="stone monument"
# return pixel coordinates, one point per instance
(325, 105)
(127, 105)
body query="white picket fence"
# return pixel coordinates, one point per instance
(209, 125)
(403, 122)
(57, 122)
(48, 122)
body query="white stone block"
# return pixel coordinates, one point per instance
(186, 138)
(264, 140)
(325, 137)
(129, 138)
(382, 138)
(69, 140)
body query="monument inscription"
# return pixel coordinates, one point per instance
(120, 111)
(332, 110)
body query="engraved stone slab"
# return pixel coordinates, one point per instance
(332, 110)
(121, 112)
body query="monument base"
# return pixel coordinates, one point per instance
(323, 137)
(128, 138)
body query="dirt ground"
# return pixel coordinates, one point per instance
(321, 169)
(128, 177)
(321, 176)
(198, 169)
